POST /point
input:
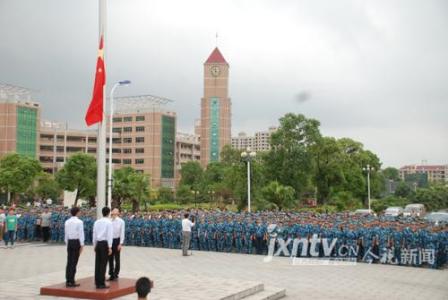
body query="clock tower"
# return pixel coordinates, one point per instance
(215, 126)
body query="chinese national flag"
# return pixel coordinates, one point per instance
(95, 111)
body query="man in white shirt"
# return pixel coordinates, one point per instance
(74, 239)
(186, 234)
(117, 244)
(102, 242)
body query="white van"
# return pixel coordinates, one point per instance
(393, 211)
(414, 210)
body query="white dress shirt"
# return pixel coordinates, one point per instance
(118, 226)
(186, 225)
(74, 230)
(102, 231)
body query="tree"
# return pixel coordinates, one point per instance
(121, 188)
(290, 160)
(345, 201)
(328, 172)
(354, 159)
(282, 196)
(434, 198)
(191, 174)
(403, 190)
(184, 195)
(166, 195)
(230, 156)
(17, 173)
(391, 173)
(47, 187)
(78, 174)
(140, 187)
(130, 185)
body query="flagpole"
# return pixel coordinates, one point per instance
(101, 139)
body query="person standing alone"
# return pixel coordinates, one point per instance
(10, 228)
(186, 234)
(45, 224)
(74, 239)
(117, 244)
(102, 242)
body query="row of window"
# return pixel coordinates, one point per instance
(138, 161)
(127, 140)
(128, 129)
(128, 119)
(126, 161)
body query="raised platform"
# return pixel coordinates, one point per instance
(88, 290)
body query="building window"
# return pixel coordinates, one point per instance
(139, 161)
(127, 129)
(127, 140)
(116, 161)
(140, 118)
(140, 139)
(139, 171)
(140, 128)
(116, 120)
(140, 150)
(127, 150)
(46, 148)
(127, 161)
(117, 129)
(127, 119)
(116, 141)
(116, 150)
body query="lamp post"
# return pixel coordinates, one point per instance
(368, 169)
(195, 193)
(111, 113)
(248, 156)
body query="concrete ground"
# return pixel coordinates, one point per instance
(208, 275)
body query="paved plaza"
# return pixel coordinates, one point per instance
(210, 275)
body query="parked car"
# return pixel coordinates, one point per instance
(414, 210)
(437, 217)
(393, 211)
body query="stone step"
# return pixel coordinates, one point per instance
(244, 293)
(269, 293)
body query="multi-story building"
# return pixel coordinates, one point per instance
(146, 139)
(432, 172)
(19, 121)
(57, 142)
(188, 148)
(144, 135)
(259, 142)
(215, 121)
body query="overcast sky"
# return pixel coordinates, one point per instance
(375, 71)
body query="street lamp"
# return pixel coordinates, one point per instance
(368, 169)
(248, 156)
(195, 193)
(111, 113)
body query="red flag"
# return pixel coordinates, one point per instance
(95, 111)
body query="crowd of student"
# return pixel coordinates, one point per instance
(401, 241)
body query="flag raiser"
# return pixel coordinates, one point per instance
(95, 111)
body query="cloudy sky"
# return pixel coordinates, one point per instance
(375, 71)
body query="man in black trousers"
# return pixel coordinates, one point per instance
(117, 244)
(74, 239)
(102, 242)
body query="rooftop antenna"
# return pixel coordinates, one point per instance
(216, 37)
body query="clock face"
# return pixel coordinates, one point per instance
(215, 70)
